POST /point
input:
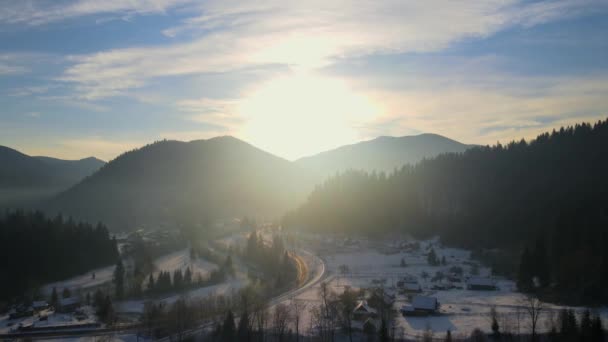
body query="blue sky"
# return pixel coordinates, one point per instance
(84, 77)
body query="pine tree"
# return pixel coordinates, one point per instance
(228, 328)
(495, 326)
(119, 278)
(243, 332)
(383, 333)
(586, 326)
(178, 279)
(252, 245)
(525, 274)
(228, 268)
(188, 277)
(448, 336)
(54, 298)
(597, 330)
(151, 282)
(432, 258)
(541, 263)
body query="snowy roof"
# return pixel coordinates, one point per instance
(363, 307)
(39, 304)
(425, 303)
(480, 281)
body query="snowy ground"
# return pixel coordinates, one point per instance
(83, 281)
(53, 319)
(181, 260)
(226, 288)
(461, 310)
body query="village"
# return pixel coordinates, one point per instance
(421, 287)
(427, 289)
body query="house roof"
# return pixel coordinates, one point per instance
(39, 304)
(363, 307)
(424, 303)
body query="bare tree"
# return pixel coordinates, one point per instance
(260, 316)
(280, 320)
(533, 307)
(297, 308)
(328, 310)
(347, 302)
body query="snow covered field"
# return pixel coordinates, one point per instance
(226, 288)
(462, 310)
(83, 281)
(53, 319)
(180, 260)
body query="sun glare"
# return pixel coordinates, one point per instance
(302, 114)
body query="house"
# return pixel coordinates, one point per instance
(69, 304)
(420, 306)
(409, 284)
(40, 305)
(363, 311)
(20, 312)
(481, 283)
(368, 325)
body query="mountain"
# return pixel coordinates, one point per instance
(381, 154)
(186, 183)
(25, 178)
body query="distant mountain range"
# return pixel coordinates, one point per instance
(381, 154)
(26, 178)
(185, 183)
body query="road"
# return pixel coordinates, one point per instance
(315, 263)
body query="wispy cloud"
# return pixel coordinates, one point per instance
(517, 107)
(39, 12)
(11, 64)
(222, 113)
(234, 34)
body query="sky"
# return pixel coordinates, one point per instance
(83, 78)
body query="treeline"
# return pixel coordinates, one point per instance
(183, 280)
(35, 250)
(271, 261)
(553, 188)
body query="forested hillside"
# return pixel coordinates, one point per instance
(553, 189)
(185, 183)
(35, 250)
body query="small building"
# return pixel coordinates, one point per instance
(363, 311)
(20, 312)
(481, 283)
(421, 306)
(40, 305)
(69, 304)
(409, 284)
(369, 325)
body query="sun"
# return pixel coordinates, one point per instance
(303, 114)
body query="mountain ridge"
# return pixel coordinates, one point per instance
(384, 153)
